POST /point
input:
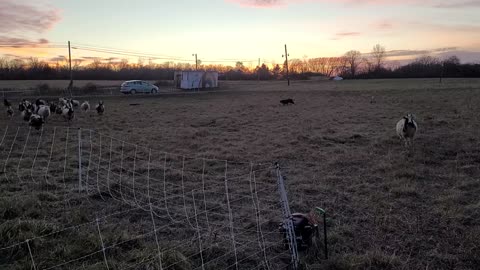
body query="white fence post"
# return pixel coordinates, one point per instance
(289, 230)
(80, 160)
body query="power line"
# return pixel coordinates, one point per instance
(153, 57)
(123, 50)
(30, 46)
(147, 55)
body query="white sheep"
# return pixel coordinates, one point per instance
(74, 102)
(406, 129)
(85, 106)
(44, 112)
(62, 101)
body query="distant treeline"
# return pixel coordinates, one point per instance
(426, 67)
(352, 65)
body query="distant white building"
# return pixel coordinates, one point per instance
(196, 79)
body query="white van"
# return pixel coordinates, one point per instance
(137, 86)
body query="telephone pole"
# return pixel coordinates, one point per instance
(70, 86)
(286, 63)
(196, 62)
(441, 74)
(258, 70)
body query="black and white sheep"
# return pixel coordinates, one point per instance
(24, 105)
(9, 111)
(36, 121)
(26, 114)
(100, 108)
(40, 102)
(406, 129)
(68, 113)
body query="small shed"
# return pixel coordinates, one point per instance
(196, 79)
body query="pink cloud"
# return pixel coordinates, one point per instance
(401, 53)
(19, 19)
(59, 58)
(22, 42)
(465, 28)
(346, 34)
(277, 3)
(341, 35)
(259, 3)
(458, 4)
(382, 25)
(430, 3)
(16, 16)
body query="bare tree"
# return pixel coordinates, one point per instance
(305, 64)
(296, 66)
(239, 66)
(368, 65)
(123, 64)
(352, 61)
(96, 64)
(335, 65)
(378, 55)
(141, 61)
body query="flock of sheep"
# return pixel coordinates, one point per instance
(36, 113)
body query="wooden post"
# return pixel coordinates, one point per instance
(258, 70)
(196, 61)
(321, 211)
(286, 63)
(441, 73)
(70, 85)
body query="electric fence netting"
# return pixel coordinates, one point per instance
(96, 201)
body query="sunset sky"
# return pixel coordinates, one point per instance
(224, 30)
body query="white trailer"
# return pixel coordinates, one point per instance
(196, 79)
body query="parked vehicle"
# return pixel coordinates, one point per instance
(137, 86)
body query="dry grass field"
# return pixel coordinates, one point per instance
(388, 207)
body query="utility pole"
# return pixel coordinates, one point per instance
(441, 73)
(70, 86)
(286, 63)
(258, 70)
(196, 62)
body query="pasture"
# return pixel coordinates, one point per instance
(388, 207)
